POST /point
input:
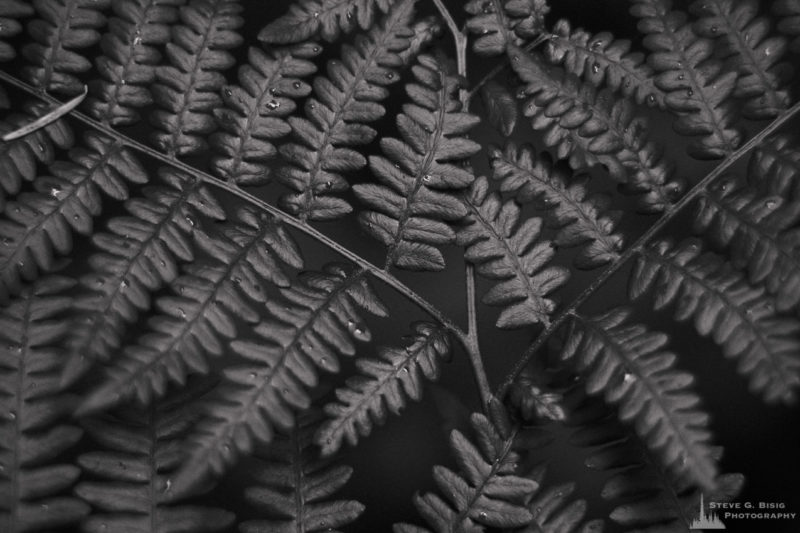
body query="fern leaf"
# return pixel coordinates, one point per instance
(127, 68)
(602, 60)
(553, 510)
(139, 256)
(419, 173)
(39, 224)
(187, 90)
(314, 322)
(255, 111)
(126, 475)
(498, 23)
(628, 364)
(775, 168)
(581, 219)
(503, 248)
(327, 18)
(789, 23)
(61, 30)
(501, 107)
(486, 492)
(761, 235)
(425, 30)
(591, 128)
(33, 483)
(384, 384)
(743, 39)
(738, 317)
(697, 88)
(338, 114)
(295, 486)
(202, 311)
(11, 12)
(19, 158)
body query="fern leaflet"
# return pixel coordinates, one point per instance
(384, 384)
(419, 173)
(498, 23)
(11, 12)
(740, 318)
(775, 168)
(789, 24)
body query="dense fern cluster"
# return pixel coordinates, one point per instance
(191, 336)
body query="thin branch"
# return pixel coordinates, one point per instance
(637, 246)
(285, 218)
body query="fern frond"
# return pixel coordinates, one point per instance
(39, 224)
(582, 219)
(187, 90)
(201, 314)
(486, 492)
(743, 39)
(32, 481)
(603, 60)
(138, 256)
(501, 107)
(774, 168)
(503, 248)
(383, 385)
(498, 23)
(11, 12)
(590, 128)
(738, 317)
(255, 111)
(420, 172)
(127, 68)
(762, 236)
(697, 87)
(554, 510)
(19, 158)
(789, 24)
(62, 29)
(295, 486)
(327, 18)
(425, 30)
(338, 114)
(628, 364)
(314, 322)
(126, 476)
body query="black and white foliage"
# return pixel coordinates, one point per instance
(229, 232)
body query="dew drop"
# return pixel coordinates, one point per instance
(689, 92)
(482, 515)
(681, 77)
(168, 485)
(228, 93)
(427, 178)
(486, 7)
(597, 44)
(12, 415)
(45, 507)
(349, 15)
(390, 75)
(770, 204)
(315, 15)
(76, 217)
(651, 99)
(190, 220)
(272, 105)
(596, 68)
(296, 85)
(181, 312)
(628, 378)
(714, 29)
(252, 375)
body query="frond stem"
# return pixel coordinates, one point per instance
(637, 246)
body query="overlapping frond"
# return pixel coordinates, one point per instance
(200, 316)
(19, 158)
(255, 111)
(61, 32)
(126, 475)
(39, 224)
(591, 128)
(743, 39)
(342, 105)
(504, 248)
(487, 491)
(628, 364)
(498, 23)
(131, 50)
(738, 317)
(410, 209)
(187, 90)
(501, 107)
(774, 168)
(762, 235)
(383, 385)
(698, 89)
(295, 486)
(12, 12)
(582, 219)
(603, 60)
(139, 255)
(789, 23)
(327, 18)
(312, 324)
(554, 509)
(33, 432)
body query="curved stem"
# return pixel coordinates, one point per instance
(637, 246)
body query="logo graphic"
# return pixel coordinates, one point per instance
(706, 521)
